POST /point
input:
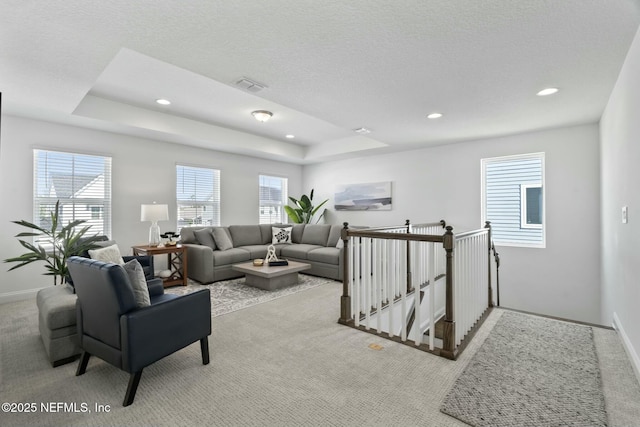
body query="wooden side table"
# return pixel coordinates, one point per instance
(176, 260)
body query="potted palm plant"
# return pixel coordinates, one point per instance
(304, 210)
(61, 243)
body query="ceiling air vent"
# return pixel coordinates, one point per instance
(250, 85)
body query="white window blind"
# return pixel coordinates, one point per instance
(273, 198)
(513, 199)
(197, 196)
(82, 184)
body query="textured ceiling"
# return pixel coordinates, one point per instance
(330, 67)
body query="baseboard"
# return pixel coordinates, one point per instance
(631, 352)
(18, 295)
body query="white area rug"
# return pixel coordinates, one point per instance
(531, 371)
(232, 295)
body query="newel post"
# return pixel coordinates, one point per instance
(345, 299)
(409, 285)
(487, 224)
(449, 333)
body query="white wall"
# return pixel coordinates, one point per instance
(620, 164)
(444, 183)
(143, 171)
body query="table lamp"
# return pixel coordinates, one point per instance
(154, 213)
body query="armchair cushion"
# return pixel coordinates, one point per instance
(109, 254)
(138, 282)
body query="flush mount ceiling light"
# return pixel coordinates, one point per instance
(434, 116)
(162, 101)
(289, 136)
(547, 91)
(262, 115)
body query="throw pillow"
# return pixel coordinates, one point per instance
(222, 239)
(205, 237)
(281, 235)
(138, 283)
(109, 254)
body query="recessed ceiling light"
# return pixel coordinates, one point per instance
(547, 91)
(289, 136)
(262, 115)
(162, 101)
(434, 116)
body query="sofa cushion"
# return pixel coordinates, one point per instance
(325, 255)
(298, 251)
(138, 282)
(281, 235)
(187, 234)
(230, 256)
(109, 254)
(334, 235)
(265, 232)
(244, 235)
(316, 234)
(222, 238)
(296, 233)
(256, 251)
(205, 237)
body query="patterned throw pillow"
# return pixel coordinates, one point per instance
(281, 235)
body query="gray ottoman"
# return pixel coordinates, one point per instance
(57, 323)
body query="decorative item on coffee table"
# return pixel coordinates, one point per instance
(271, 258)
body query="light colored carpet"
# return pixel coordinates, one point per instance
(531, 371)
(282, 363)
(232, 295)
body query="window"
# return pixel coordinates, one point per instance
(531, 206)
(513, 199)
(82, 184)
(197, 196)
(273, 198)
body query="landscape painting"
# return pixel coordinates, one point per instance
(375, 196)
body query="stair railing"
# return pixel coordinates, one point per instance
(400, 281)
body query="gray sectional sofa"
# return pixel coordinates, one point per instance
(211, 251)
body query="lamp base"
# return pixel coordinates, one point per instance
(154, 235)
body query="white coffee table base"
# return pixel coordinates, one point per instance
(271, 278)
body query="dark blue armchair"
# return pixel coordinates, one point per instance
(112, 327)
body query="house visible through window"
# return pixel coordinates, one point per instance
(273, 198)
(197, 196)
(513, 199)
(82, 184)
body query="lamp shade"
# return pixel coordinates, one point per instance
(154, 213)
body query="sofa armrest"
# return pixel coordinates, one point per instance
(156, 287)
(200, 262)
(151, 333)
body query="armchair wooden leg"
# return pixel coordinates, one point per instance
(82, 365)
(204, 347)
(134, 380)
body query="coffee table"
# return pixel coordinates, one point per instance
(271, 278)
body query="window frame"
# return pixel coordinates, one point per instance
(215, 203)
(483, 198)
(524, 204)
(81, 204)
(282, 203)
